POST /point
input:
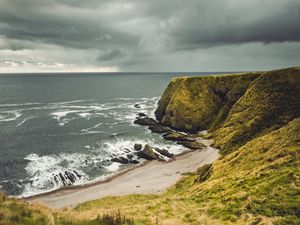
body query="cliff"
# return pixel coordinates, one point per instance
(233, 108)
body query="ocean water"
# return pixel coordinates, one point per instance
(63, 129)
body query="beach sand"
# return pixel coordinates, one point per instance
(153, 177)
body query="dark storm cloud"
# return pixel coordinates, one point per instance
(215, 24)
(57, 22)
(127, 33)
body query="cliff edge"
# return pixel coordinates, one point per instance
(233, 108)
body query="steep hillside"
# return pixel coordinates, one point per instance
(234, 108)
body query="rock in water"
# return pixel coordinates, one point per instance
(142, 115)
(77, 174)
(159, 129)
(62, 179)
(145, 121)
(120, 159)
(138, 106)
(137, 146)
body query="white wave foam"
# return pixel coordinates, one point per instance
(20, 104)
(91, 128)
(23, 121)
(42, 169)
(114, 167)
(60, 116)
(123, 146)
(7, 116)
(85, 115)
(73, 101)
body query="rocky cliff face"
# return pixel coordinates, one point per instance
(234, 108)
(254, 118)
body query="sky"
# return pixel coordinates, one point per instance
(148, 35)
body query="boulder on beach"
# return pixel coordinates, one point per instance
(149, 153)
(191, 144)
(165, 152)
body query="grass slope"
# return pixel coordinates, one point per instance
(18, 212)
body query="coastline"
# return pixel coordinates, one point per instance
(150, 177)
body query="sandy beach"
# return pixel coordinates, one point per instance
(153, 177)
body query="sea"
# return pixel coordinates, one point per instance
(63, 129)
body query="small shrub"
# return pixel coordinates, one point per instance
(204, 173)
(114, 219)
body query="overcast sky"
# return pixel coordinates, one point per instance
(148, 35)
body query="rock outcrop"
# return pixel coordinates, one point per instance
(149, 153)
(145, 121)
(234, 108)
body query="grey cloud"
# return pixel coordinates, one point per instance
(134, 33)
(54, 24)
(220, 24)
(111, 54)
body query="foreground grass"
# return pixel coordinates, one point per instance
(15, 211)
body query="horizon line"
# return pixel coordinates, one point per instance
(75, 72)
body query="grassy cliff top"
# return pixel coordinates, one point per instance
(234, 108)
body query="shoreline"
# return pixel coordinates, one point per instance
(150, 177)
(103, 181)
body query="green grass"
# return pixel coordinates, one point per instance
(18, 212)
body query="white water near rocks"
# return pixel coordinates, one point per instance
(61, 130)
